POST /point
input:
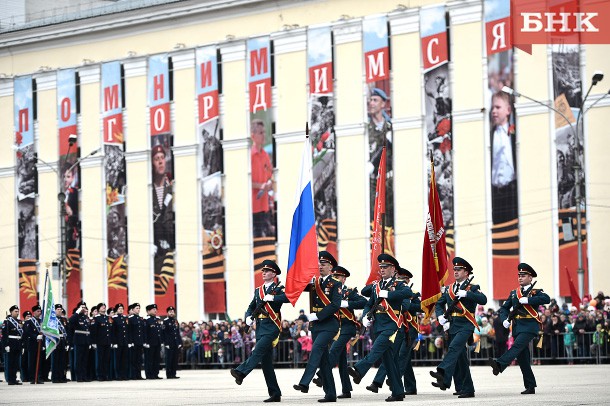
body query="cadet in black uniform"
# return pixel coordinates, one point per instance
(101, 340)
(80, 340)
(526, 325)
(120, 342)
(172, 342)
(268, 299)
(152, 343)
(135, 325)
(25, 371)
(59, 355)
(35, 345)
(11, 341)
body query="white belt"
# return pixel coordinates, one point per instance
(82, 332)
(15, 337)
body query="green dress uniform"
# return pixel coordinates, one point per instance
(267, 331)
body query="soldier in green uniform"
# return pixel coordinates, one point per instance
(327, 294)
(265, 310)
(460, 325)
(385, 301)
(526, 324)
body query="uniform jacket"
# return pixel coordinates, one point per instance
(31, 330)
(11, 327)
(266, 325)
(171, 332)
(526, 325)
(328, 319)
(135, 328)
(120, 335)
(78, 322)
(354, 301)
(397, 292)
(152, 331)
(473, 298)
(101, 330)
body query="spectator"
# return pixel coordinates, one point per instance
(302, 316)
(306, 345)
(237, 343)
(206, 340)
(485, 333)
(501, 336)
(569, 341)
(556, 330)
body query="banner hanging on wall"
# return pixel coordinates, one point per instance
(161, 141)
(211, 159)
(322, 136)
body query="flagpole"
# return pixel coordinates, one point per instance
(311, 299)
(44, 300)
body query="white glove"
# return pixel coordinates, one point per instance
(115, 346)
(167, 346)
(180, 346)
(94, 346)
(129, 345)
(39, 337)
(523, 300)
(344, 303)
(268, 298)
(146, 345)
(461, 293)
(383, 294)
(506, 323)
(312, 317)
(67, 348)
(366, 322)
(442, 320)
(446, 326)
(249, 321)
(7, 349)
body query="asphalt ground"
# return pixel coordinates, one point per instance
(557, 385)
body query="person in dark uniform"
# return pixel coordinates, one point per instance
(152, 343)
(267, 302)
(460, 328)
(59, 355)
(172, 342)
(386, 297)
(135, 325)
(327, 293)
(350, 331)
(120, 342)
(12, 335)
(80, 340)
(35, 345)
(25, 372)
(101, 340)
(526, 325)
(92, 356)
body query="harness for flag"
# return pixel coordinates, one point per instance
(378, 220)
(434, 257)
(49, 326)
(303, 251)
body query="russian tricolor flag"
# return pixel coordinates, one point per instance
(303, 254)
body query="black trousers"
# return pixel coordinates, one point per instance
(171, 361)
(32, 356)
(152, 361)
(58, 362)
(102, 361)
(135, 362)
(81, 358)
(121, 362)
(11, 361)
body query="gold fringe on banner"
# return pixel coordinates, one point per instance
(416, 348)
(540, 341)
(477, 349)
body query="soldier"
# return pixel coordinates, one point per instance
(265, 310)
(526, 325)
(101, 340)
(79, 332)
(324, 324)
(92, 355)
(120, 342)
(385, 302)
(350, 331)
(135, 325)
(59, 355)
(25, 372)
(152, 343)
(11, 341)
(35, 345)
(172, 342)
(460, 327)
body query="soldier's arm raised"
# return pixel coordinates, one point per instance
(475, 294)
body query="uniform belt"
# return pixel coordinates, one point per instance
(15, 337)
(318, 309)
(524, 317)
(262, 316)
(456, 314)
(82, 332)
(396, 312)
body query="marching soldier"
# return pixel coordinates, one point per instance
(136, 327)
(35, 345)
(101, 340)
(120, 342)
(460, 328)
(152, 343)
(526, 325)
(385, 302)
(12, 335)
(59, 355)
(172, 342)
(265, 310)
(324, 325)
(80, 340)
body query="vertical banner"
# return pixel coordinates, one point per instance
(116, 182)
(567, 91)
(379, 111)
(161, 139)
(26, 187)
(261, 153)
(322, 136)
(69, 172)
(438, 120)
(502, 141)
(212, 206)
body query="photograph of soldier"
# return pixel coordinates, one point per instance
(26, 172)
(566, 73)
(116, 233)
(70, 188)
(114, 167)
(26, 228)
(211, 148)
(211, 203)
(262, 183)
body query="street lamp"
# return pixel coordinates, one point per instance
(597, 77)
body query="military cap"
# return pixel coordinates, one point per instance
(81, 303)
(116, 307)
(99, 305)
(405, 272)
(526, 269)
(271, 266)
(130, 307)
(325, 256)
(134, 305)
(27, 313)
(58, 306)
(157, 149)
(150, 307)
(462, 263)
(13, 307)
(387, 259)
(36, 307)
(340, 271)
(170, 308)
(378, 92)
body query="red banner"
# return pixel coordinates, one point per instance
(378, 220)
